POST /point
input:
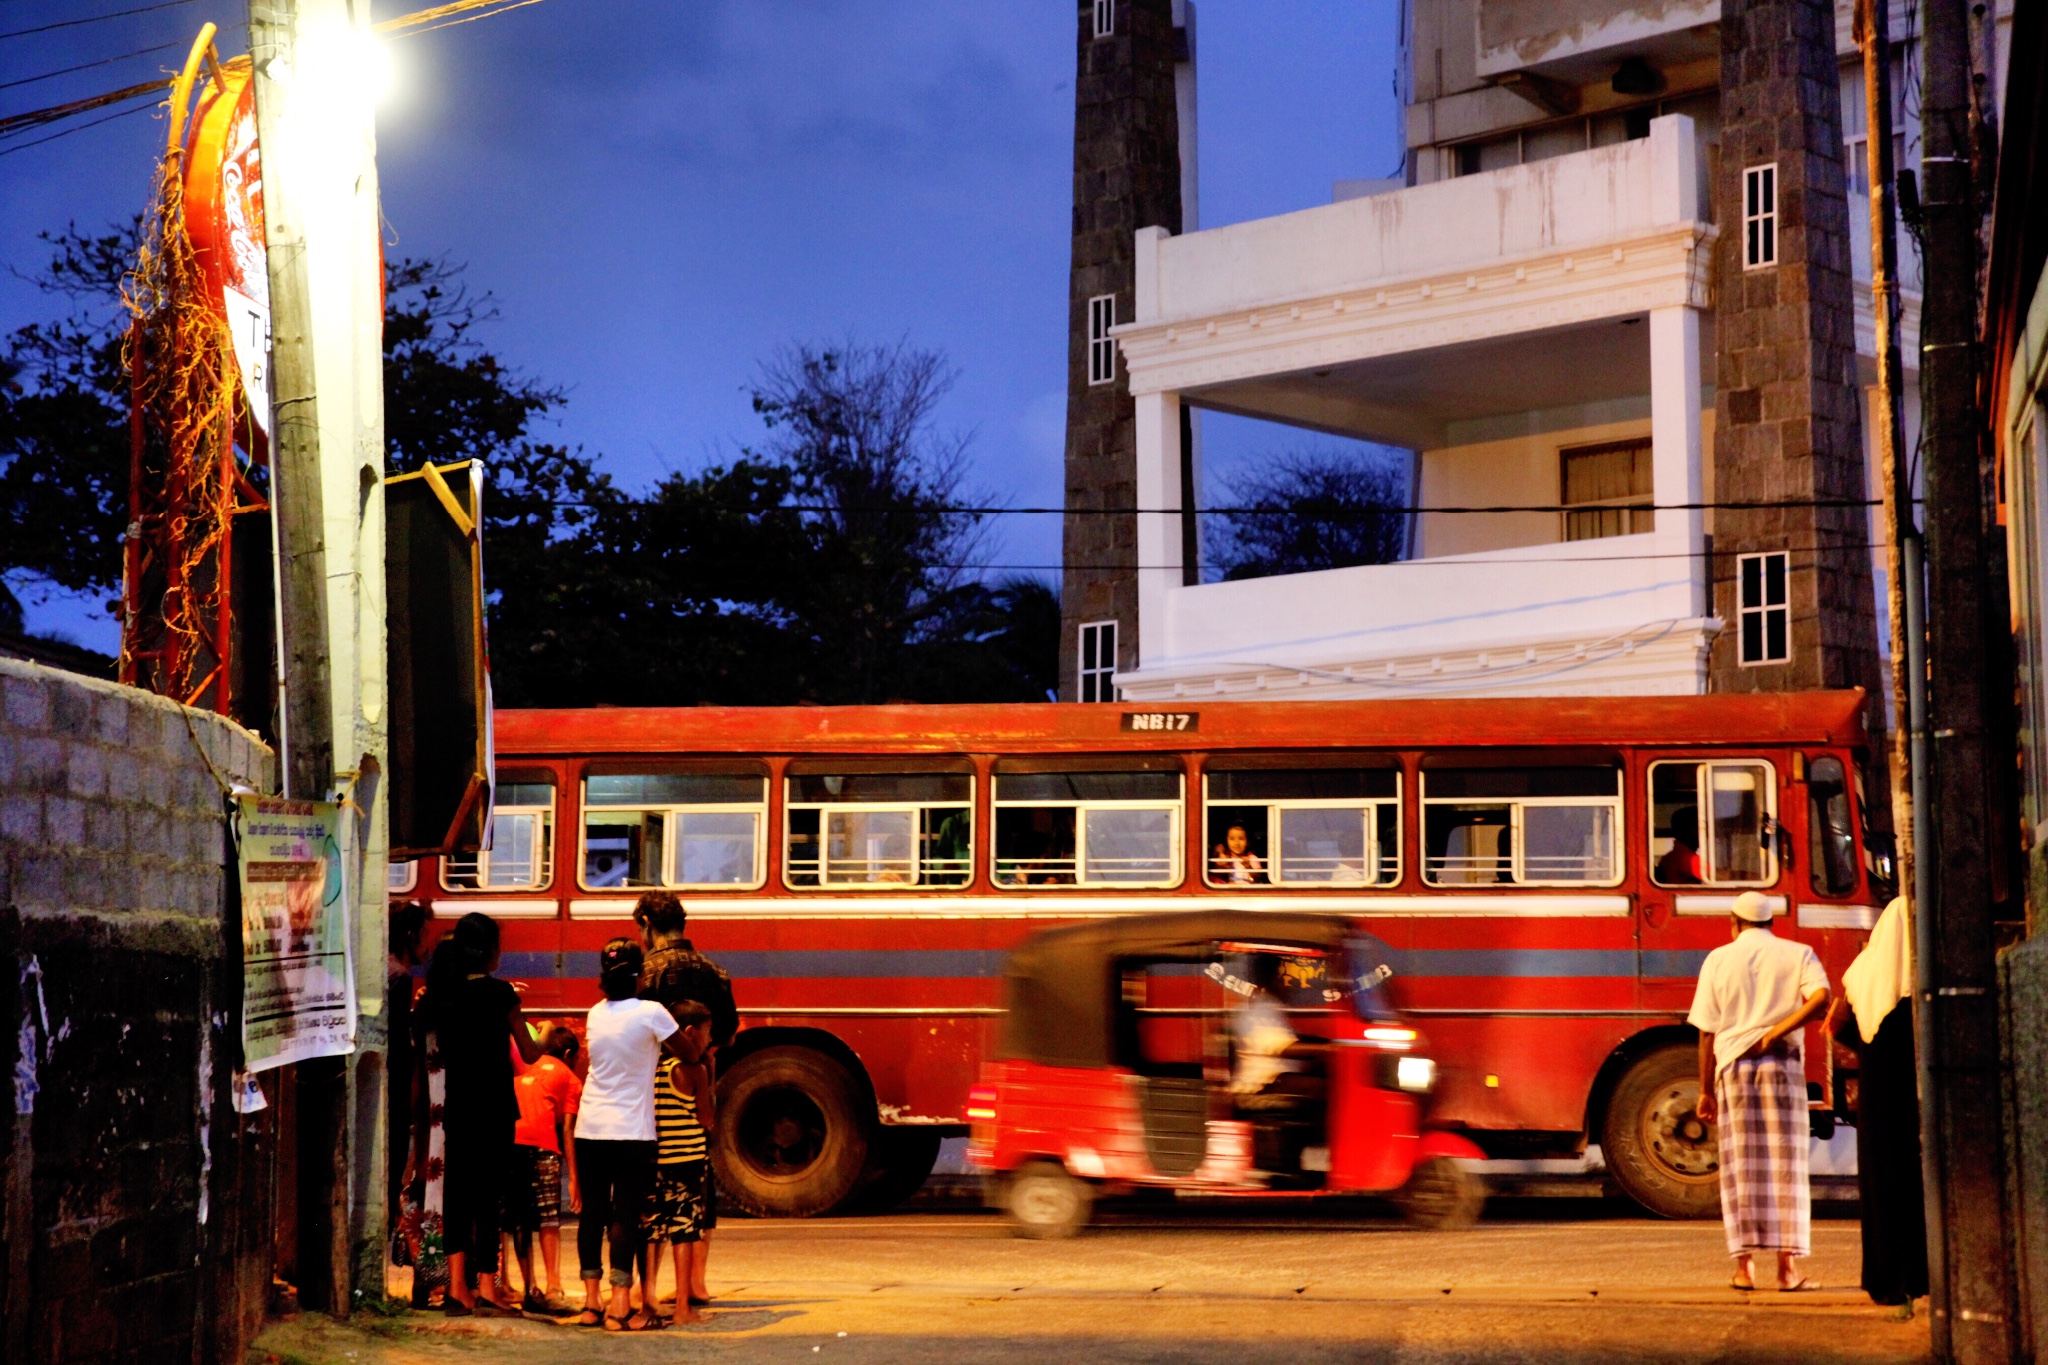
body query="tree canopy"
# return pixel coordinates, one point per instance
(834, 562)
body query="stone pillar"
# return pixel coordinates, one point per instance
(1160, 539)
(1127, 176)
(1675, 440)
(1787, 403)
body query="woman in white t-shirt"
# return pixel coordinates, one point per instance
(624, 1038)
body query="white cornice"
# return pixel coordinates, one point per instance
(1659, 658)
(1505, 297)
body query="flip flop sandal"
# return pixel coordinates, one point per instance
(596, 1318)
(612, 1324)
(1745, 1288)
(456, 1308)
(1802, 1285)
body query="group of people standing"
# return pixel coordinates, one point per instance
(497, 1119)
(1756, 994)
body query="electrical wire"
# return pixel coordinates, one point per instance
(14, 124)
(1309, 513)
(87, 66)
(408, 24)
(94, 19)
(12, 148)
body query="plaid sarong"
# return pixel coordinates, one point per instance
(1764, 1132)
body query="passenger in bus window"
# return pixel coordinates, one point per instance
(1234, 862)
(1680, 865)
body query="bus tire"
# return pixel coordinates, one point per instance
(1657, 1150)
(792, 1135)
(900, 1160)
(1440, 1195)
(1045, 1202)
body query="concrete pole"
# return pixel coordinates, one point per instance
(1955, 998)
(315, 92)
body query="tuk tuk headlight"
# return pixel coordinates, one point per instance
(1415, 1074)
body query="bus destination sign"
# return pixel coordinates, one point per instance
(1177, 722)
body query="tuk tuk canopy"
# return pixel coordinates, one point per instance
(1062, 985)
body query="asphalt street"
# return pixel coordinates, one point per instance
(1541, 1283)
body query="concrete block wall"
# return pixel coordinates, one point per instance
(137, 1201)
(2023, 988)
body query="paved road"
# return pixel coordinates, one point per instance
(1199, 1283)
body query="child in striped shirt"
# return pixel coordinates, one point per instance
(685, 1111)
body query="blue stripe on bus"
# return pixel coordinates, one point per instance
(959, 963)
(1549, 962)
(1680, 962)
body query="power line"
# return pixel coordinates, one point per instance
(75, 128)
(1307, 513)
(35, 118)
(407, 25)
(87, 66)
(95, 19)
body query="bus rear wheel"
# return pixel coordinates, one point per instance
(1657, 1149)
(792, 1134)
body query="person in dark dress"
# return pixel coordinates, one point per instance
(475, 1017)
(1875, 1017)
(407, 926)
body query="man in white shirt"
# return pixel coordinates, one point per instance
(1755, 996)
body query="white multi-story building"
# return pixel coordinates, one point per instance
(1623, 289)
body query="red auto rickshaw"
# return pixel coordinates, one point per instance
(1236, 1052)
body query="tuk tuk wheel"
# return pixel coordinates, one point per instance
(1044, 1201)
(1441, 1194)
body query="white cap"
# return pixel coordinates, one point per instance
(1755, 907)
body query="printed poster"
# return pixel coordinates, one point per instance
(298, 987)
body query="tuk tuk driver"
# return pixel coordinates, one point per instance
(1267, 1046)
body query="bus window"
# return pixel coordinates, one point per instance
(400, 878)
(1521, 826)
(1303, 827)
(880, 829)
(1087, 829)
(1830, 839)
(686, 830)
(521, 855)
(1710, 822)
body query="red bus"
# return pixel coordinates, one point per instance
(1547, 873)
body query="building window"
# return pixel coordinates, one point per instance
(1759, 217)
(521, 855)
(1105, 18)
(1612, 484)
(1098, 661)
(1101, 346)
(880, 829)
(1764, 614)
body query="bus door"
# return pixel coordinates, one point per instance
(1713, 824)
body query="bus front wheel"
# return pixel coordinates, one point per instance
(792, 1135)
(1657, 1149)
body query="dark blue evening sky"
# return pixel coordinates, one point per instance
(659, 193)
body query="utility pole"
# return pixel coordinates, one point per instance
(319, 1100)
(316, 123)
(1904, 554)
(1955, 985)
